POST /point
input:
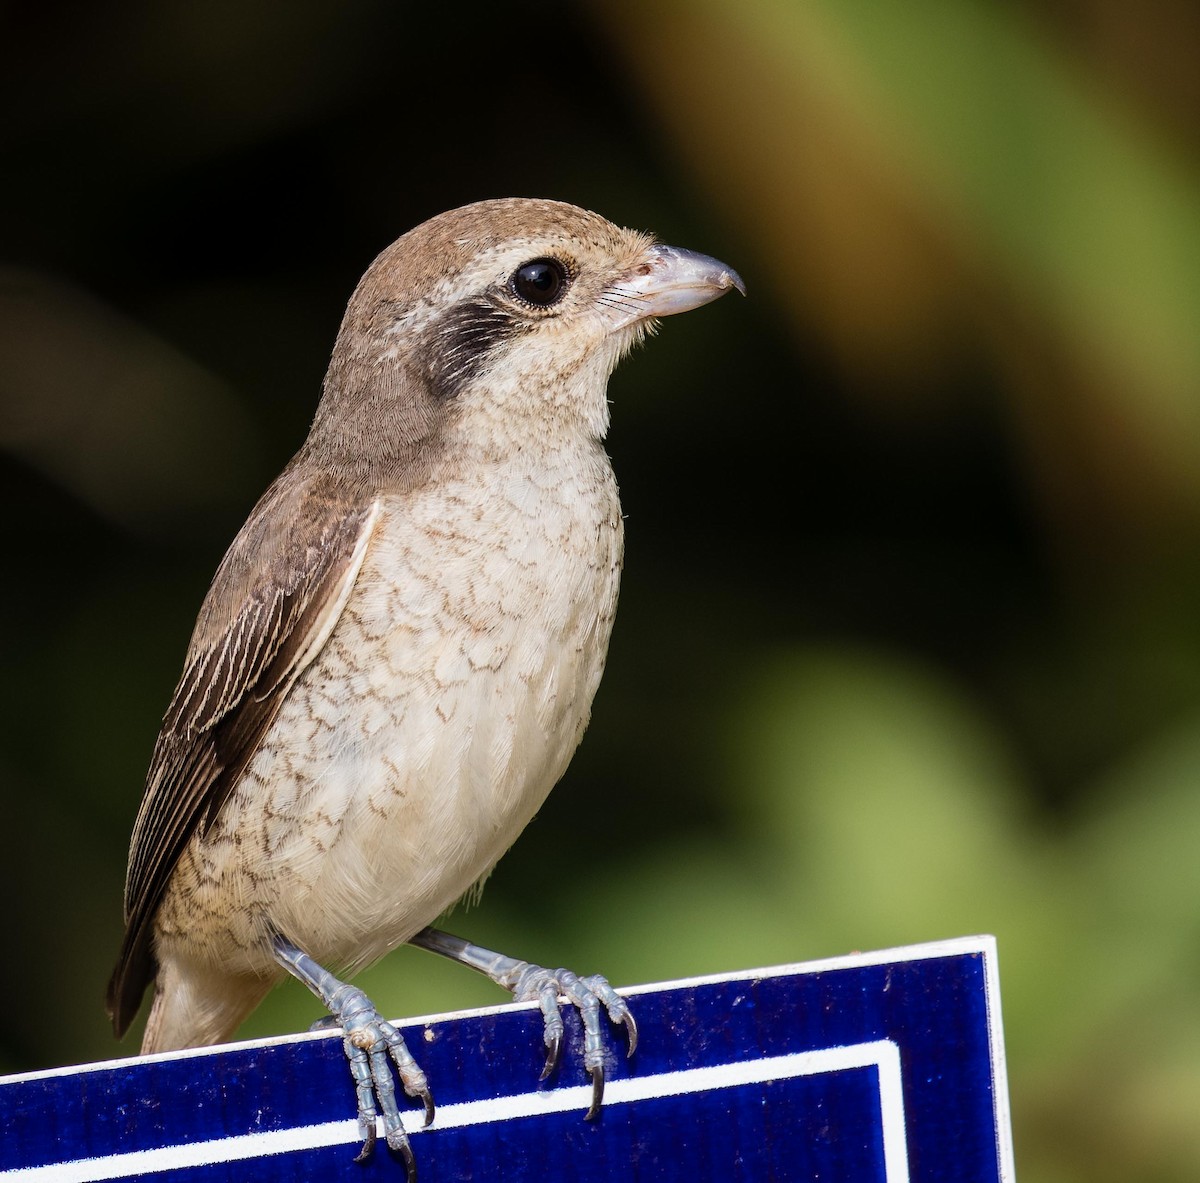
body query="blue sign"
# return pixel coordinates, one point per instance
(877, 1068)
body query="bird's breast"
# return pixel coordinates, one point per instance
(445, 705)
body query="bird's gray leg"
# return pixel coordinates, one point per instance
(530, 983)
(368, 1040)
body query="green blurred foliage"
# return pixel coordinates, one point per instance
(909, 644)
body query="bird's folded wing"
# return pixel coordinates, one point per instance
(273, 604)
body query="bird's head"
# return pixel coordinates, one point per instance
(511, 312)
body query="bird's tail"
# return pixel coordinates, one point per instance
(194, 1007)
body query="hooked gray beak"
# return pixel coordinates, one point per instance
(670, 280)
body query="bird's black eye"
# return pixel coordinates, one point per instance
(541, 282)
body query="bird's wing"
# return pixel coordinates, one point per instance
(273, 603)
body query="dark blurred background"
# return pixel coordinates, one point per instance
(909, 643)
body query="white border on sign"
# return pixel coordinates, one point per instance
(882, 1055)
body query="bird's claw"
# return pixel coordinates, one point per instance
(373, 1046)
(532, 983)
(367, 1129)
(553, 1055)
(597, 1093)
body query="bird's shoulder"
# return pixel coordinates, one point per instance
(303, 529)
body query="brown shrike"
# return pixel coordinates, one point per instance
(397, 656)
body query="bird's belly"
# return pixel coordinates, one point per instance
(415, 798)
(413, 750)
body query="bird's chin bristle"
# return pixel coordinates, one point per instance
(632, 336)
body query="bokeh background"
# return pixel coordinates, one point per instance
(909, 643)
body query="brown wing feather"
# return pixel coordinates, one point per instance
(273, 600)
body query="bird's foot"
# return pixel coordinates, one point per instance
(533, 983)
(372, 1046)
